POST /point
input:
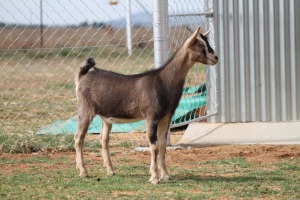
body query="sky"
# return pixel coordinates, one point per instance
(62, 12)
(73, 12)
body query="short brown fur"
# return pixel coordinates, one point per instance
(153, 96)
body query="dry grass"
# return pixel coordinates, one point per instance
(57, 37)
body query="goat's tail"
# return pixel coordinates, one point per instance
(84, 68)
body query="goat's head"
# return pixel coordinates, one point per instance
(198, 47)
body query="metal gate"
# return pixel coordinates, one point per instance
(200, 13)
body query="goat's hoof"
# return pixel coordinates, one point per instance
(83, 174)
(165, 177)
(154, 180)
(111, 173)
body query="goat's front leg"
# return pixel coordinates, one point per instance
(83, 124)
(162, 132)
(152, 135)
(106, 128)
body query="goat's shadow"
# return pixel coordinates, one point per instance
(212, 178)
(181, 177)
(219, 178)
(177, 178)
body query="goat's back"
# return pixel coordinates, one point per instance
(115, 95)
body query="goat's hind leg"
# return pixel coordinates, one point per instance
(106, 128)
(83, 124)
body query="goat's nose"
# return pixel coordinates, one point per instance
(216, 57)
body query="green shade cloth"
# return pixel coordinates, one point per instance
(193, 100)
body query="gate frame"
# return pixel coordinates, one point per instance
(160, 37)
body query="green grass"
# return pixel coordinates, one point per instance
(57, 178)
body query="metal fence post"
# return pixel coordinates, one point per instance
(211, 70)
(128, 26)
(160, 37)
(160, 32)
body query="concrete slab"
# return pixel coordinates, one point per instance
(207, 134)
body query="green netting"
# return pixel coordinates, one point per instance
(195, 97)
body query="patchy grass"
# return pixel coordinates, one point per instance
(53, 176)
(34, 143)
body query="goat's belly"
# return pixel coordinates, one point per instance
(114, 120)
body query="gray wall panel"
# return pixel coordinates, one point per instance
(259, 49)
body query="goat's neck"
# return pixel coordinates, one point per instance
(177, 69)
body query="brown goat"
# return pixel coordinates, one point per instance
(153, 96)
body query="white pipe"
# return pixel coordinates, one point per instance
(160, 32)
(211, 70)
(128, 27)
(206, 14)
(160, 37)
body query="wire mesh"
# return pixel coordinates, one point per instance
(43, 43)
(182, 14)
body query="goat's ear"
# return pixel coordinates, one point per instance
(206, 33)
(189, 29)
(193, 37)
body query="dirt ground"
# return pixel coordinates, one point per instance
(123, 150)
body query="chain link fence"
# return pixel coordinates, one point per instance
(43, 43)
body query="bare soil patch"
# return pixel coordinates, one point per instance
(123, 153)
